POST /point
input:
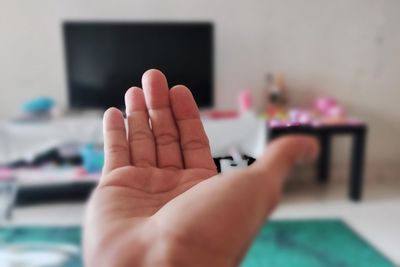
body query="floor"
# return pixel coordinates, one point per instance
(376, 218)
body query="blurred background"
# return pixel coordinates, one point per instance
(258, 70)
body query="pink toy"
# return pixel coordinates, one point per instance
(336, 111)
(328, 107)
(5, 174)
(323, 104)
(245, 102)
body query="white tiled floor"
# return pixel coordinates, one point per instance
(376, 218)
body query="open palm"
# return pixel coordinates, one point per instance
(160, 187)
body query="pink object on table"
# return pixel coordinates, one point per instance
(245, 102)
(324, 104)
(5, 174)
(335, 111)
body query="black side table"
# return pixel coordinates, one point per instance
(325, 133)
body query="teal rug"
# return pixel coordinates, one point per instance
(311, 243)
(296, 243)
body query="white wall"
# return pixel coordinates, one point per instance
(348, 49)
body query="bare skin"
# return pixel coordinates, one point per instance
(160, 201)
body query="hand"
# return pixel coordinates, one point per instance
(160, 201)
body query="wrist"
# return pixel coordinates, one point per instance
(174, 250)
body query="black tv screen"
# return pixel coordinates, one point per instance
(104, 59)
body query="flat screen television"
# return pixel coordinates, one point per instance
(104, 59)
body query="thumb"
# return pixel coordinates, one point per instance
(225, 212)
(268, 173)
(283, 153)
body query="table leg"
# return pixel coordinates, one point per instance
(357, 165)
(324, 158)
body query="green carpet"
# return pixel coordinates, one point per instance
(311, 243)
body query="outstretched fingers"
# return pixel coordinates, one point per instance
(164, 129)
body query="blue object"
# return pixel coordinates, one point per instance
(93, 158)
(40, 104)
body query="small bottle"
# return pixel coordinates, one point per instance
(280, 96)
(245, 102)
(276, 94)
